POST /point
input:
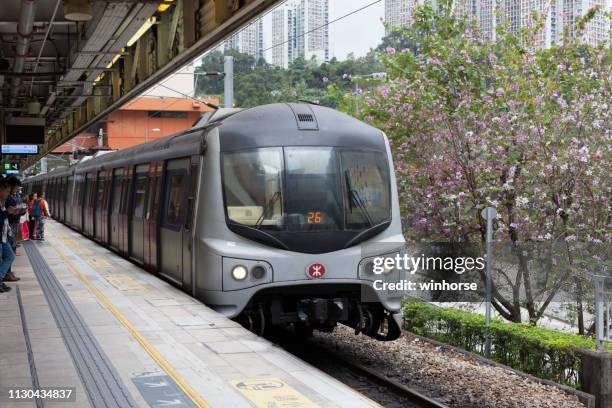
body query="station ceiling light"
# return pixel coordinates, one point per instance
(77, 10)
(115, 58)
(150, 21)
(164, 6)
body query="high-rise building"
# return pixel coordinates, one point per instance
(300, 28)
(398, 13)
(558, 16)
(249, 40)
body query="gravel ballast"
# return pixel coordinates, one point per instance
(452, 378)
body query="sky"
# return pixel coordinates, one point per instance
(357, 33)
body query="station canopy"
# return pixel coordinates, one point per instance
(65, 64)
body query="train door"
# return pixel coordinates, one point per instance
(99, 210)
(76, 193)
(139, 197)
(61, 197)
(124, 221)
(69, 201)
(175, 238)
(89, 205)
(65, 198)
(108, 192)
(117, 185)
(50, 194)
(152, 216)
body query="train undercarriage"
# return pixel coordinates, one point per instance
(304, 314)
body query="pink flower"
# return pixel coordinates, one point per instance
(390, 51)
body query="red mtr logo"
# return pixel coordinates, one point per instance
(315, 270)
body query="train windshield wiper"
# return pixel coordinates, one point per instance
(354, 197)
(269, 206)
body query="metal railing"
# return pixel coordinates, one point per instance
(603, 310)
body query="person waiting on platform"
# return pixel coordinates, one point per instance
(31, 220)
(6, 253)
(40, 211)
(13, 203)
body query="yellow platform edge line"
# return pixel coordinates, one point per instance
(158, 358)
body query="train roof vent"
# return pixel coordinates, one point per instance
(304, 116)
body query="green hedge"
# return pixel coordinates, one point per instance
(541, 352)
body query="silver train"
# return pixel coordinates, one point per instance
(264, 214)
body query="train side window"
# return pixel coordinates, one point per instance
(77, 190)
(174, 213)
(101, 181)
(70, 189)
(117, 184)
(140, 195)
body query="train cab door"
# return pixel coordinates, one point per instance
(175, 229)
(139, 202)
(189, 224)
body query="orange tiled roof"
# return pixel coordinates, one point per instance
(171, 104)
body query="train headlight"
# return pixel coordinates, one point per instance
(239, 272)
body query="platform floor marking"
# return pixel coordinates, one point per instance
(68, 241)
(98, 263)
(271, 392)
(158, 358)
(125, 283)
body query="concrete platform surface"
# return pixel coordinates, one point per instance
(164, 347)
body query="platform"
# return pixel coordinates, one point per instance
(85, 319)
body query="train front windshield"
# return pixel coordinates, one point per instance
(294, 193)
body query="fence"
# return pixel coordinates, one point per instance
(603, 310)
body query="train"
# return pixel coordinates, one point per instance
(267, 215)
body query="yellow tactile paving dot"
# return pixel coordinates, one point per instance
(125, 283)
(98, 263)
(271, 392)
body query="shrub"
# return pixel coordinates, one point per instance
(535, 350)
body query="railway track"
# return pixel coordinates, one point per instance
(372, 383)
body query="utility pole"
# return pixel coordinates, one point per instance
(489, 214)
(228, 68)
(375, 75)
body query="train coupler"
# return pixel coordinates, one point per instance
(323, 313)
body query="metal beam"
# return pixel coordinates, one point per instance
(212, 30)
(29, 74)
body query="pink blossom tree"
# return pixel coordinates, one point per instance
(476, 123)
